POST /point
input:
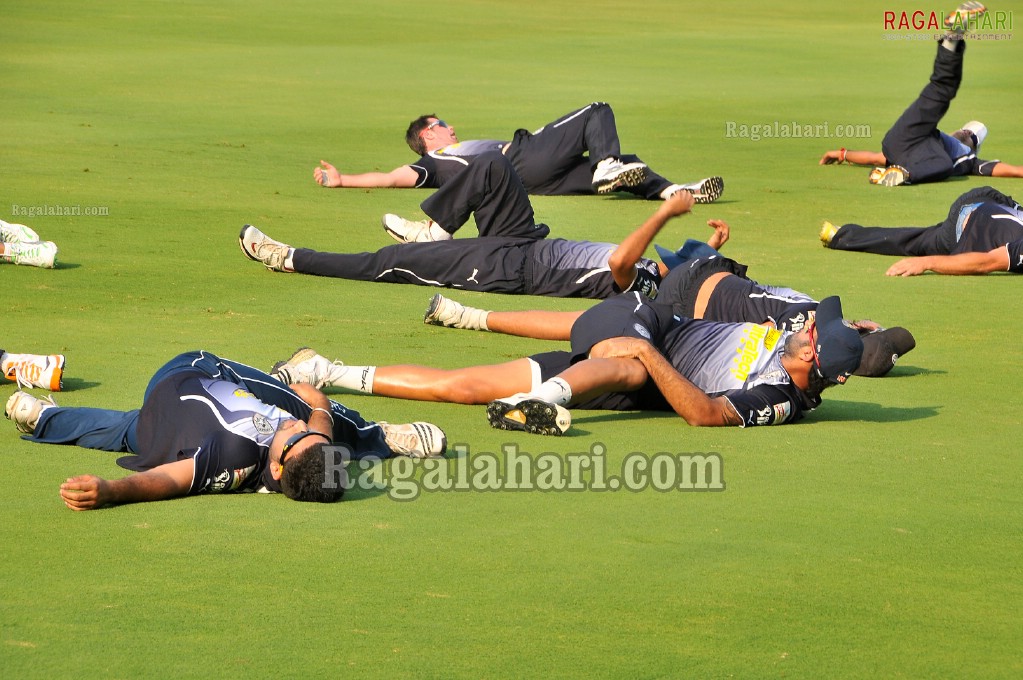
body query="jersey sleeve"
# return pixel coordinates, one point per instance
(426, 170)
(765, 405)
(1016, 256)
(225, 463)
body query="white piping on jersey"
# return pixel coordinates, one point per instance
(426, 175)
(1007, 217)
(985, 163)
(216, 414)
(639, 301)
(592, 273)
(767, 295)
(963, 158)
(428, 282)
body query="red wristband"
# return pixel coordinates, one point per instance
(843, 152)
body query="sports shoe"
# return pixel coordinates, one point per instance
(24, 410)
(259, 247)
(34, 370)
(415, 440)
(892, 176)
(306, 366)
(407, 231)
(16, 233)
(828, 231)
(446, 312)
(611, 174)
(706, 190)
(32, 254)
(962, 15)
(525, 413)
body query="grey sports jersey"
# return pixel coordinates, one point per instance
(440, 165)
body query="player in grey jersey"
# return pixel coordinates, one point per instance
(715, 374)
(508, 260)
(578, 153)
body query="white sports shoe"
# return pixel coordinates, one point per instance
(611, 174)
(24, 410)
(32, 254)
(306, 366)
(446, 312)
(407, 231)
(34, 370)
(415, 440)
(526, 413)
(706, 190)
(16, 233)
(259, 247)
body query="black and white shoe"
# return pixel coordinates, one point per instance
(525, 413)
(611, 174)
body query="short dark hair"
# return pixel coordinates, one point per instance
(818, 383)
(305, 477)
(414, 137)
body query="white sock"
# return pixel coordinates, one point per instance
(289, 261)
(555, 391)
(437, 233)
(951, 41)
(355, 378)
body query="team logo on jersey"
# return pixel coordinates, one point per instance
(642, 330)
(782, 412)
(764, 415)
(221, 481)
(262, 424)
(243, 394)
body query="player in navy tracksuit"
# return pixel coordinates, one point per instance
(211, 425)
(982, 233)
(914, 150)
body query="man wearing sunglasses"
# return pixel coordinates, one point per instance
(629, 353)
(577, 154)
(211, 425)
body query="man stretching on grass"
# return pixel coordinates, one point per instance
(510, 257)
(914, 150)
(211, 425)
(577, 154)
(630, 354)
(982, 233)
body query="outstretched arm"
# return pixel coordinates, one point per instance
(689, 401)
(1006, 170)
(400, 178)
(88, 492)
(854, 157)
(624, 258)
(996, 260)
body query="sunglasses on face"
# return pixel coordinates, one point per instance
(295, 439)
(435, 124)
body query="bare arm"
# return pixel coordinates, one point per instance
(963, 264)
(318, 420)
(623, 260)
(689, 401)
(854, 157)
(1006, 170)
(403, 177)
(88, 492)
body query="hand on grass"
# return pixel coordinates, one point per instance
(84, 492)
(327, 175)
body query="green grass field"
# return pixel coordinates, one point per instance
(878, 538)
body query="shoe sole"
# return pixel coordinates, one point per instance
(301, 354)
(429, 317)
(709, 190)
(973, 10)
(530, 415)
(393, 234)
(628, 178)
(241, 243)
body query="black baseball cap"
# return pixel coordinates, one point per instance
(882, 348)
(839, 348)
